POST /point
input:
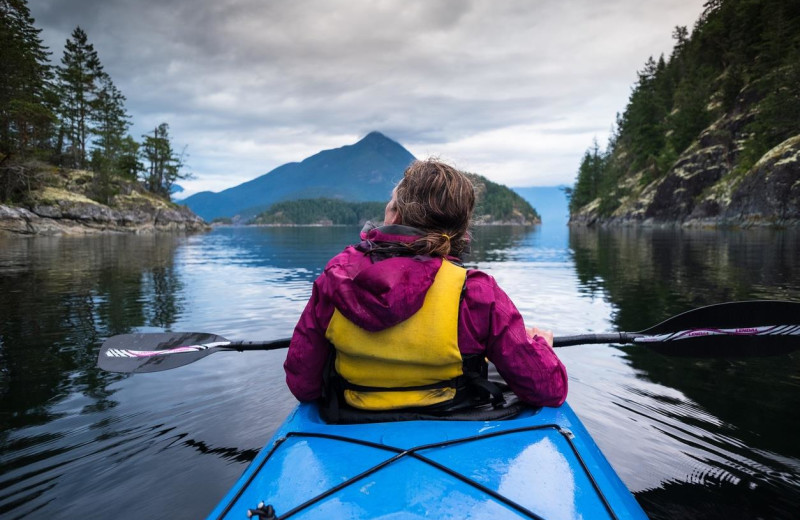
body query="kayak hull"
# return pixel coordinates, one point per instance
(540, 464)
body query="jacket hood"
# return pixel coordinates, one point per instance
(378, 293)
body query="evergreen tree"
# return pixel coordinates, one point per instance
(25, 118)
(163, 166)
(643, 119)
(78, 85)
(590, 177)
(110, 123)
(128, 164)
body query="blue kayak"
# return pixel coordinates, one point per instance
(540, 464)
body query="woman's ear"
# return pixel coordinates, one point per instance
(391, 213)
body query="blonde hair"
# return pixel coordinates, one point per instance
(437, 199)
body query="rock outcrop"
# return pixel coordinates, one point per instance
(771, 190)
(63, 209)
(703, 187)
(80, 218)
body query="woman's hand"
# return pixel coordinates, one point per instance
(546, 334)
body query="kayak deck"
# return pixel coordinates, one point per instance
(540, 464)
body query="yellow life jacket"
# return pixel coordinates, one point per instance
(418, 356)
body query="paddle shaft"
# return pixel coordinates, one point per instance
(594, 339)
(245, 346)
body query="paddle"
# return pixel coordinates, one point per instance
(734, 329)
(154, 352)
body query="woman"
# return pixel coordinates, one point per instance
(410, 327)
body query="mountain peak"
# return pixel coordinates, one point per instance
(376, 138)
(375, 135)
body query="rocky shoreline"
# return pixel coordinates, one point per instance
(83, 218)
(702, 190)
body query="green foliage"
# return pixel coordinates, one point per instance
(164, 165)
(742, 55)
(26, 120)
(78, 78)
(778, 117)
(316, 211)
(590, 176)
(498, 203)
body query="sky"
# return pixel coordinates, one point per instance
(515, 90)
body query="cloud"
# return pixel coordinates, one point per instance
(516, 89)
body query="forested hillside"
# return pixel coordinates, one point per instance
(321, 211)
(495, 204)
(710, 133)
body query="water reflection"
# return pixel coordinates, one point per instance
(721, 443)
(303, 250)
(651, 274)
(61, 296)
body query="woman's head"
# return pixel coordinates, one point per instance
(437, 199)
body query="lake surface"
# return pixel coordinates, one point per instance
(691, 438)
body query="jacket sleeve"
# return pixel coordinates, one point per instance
(309, 349)
(489, 322)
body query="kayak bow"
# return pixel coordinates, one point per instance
(541, 464)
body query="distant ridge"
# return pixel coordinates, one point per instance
(364, 171)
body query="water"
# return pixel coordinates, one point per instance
(691, 438)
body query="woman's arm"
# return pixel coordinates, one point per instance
(491, 323)
(309, 349)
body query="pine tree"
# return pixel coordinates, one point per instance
(643, 119)
(163, 164)
(590, 177)
(110, 123)
(128, 164)
(79, 77)
(25, 117)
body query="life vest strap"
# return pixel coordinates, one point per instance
(450, 383)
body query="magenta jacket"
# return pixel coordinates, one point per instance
(376, 294)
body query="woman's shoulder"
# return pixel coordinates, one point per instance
(476, 276)
(480, 282)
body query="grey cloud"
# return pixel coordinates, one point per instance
(422, 71)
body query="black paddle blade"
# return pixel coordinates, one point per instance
(153, 352)
(733, 329)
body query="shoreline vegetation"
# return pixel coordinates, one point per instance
(495, 204)
(61, 205)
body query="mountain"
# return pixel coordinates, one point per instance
(711, 134)
(364, 171)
